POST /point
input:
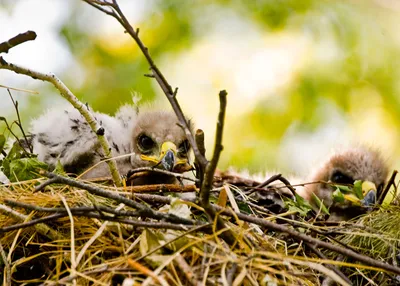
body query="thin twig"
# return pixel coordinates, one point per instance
(73, 209)
(160, 171)
(161, 188)
(67, 94)
(9, 128)
(45, 184)
(17, 40)
(145, 211)
(207, 183)
(331, 267)
(41, 228)
(19, 122)
(72, 230)
(165, 86)
(7, 267)
(387, 188)
(316, 242)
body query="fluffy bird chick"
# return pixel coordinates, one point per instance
(151, 138)
(343, 168)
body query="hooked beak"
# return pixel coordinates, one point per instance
(368, 195)
(167, 158)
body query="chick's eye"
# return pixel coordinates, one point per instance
(340, 178)
(183, 148)
(145, 143)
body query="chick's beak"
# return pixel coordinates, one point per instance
(368, 195)
(168, 156)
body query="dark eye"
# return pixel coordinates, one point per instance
(340, 178)
(145, 143)
(183, 148)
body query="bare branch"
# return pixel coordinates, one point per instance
(68, 95)
(19, 123)
(17, 40)
(144, 210)
(165, 86)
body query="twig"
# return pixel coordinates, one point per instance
(209, 167)
(137, 223)
(72, 230)
(199, 138)
(73, 209)
(387, 188)
(316, 242)
(7, 267)
(160, 171)
(207, 182)
(40, 228)
(45, 184)
(67, 94)
(269, 181)
(331, 267)
(19, 122)
(144, 210)
(13, 134)
(98, 233)
(17, 40)
(165, 86)
(161, 188)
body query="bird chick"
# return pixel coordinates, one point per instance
(151, 138)
(344, 168)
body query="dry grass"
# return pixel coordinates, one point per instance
(81, 250)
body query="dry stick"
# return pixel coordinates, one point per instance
(199, 138)
(295, 234)
(329, 266)
(13, 134)
(171, 96)
(68, 95)
(387, 188)
(17, 40)
(207, 183)
(19, 123)
(137, 223)
(160, 171)
(161, 188)
(73, 209)
(165, 86)
(72, 245)
(317, 243)
(145, 211)
(40, 228)
(7, 267)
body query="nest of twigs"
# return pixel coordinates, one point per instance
(61, 234)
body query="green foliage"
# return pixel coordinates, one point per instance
(299, 205)
(320, 204)
(19, 165)
(2, 142)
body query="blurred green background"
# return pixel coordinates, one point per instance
(303, 77)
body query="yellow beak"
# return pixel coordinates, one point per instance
(368, 192)
(167, 157)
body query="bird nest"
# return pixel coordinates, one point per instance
(67, 231)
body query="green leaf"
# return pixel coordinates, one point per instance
(344, 188)
(357, 190)
(338, 196)
(25, 169)
(320, 204)
(299, 205)
(2, 142)
(59, 169)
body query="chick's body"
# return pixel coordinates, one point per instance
(64, 135)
